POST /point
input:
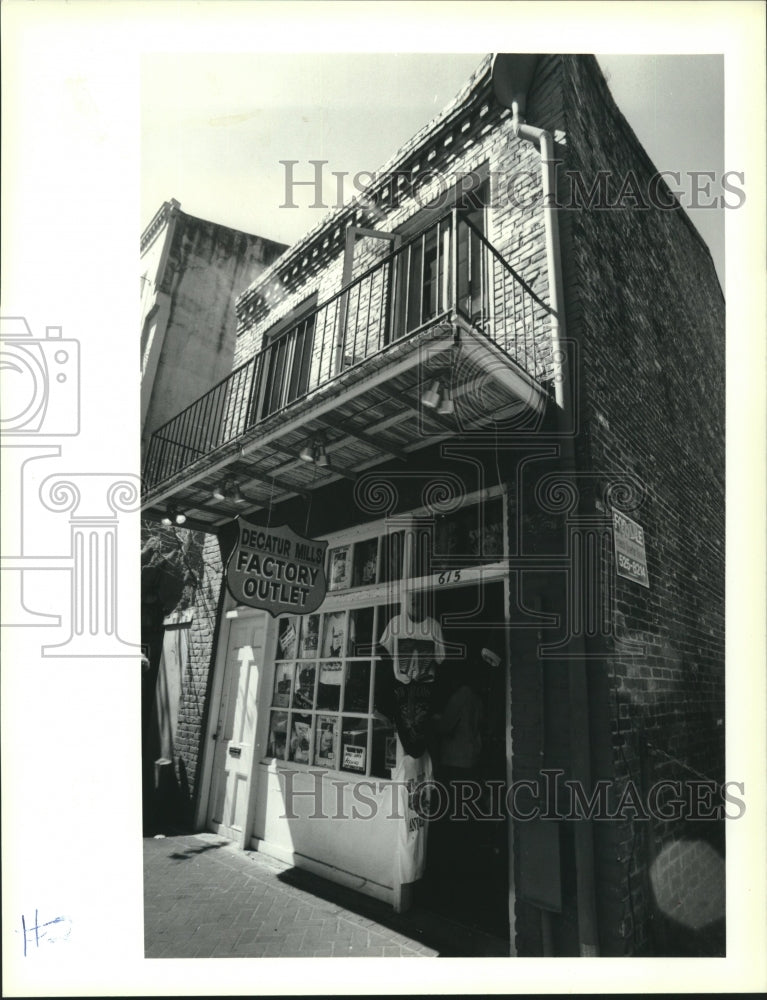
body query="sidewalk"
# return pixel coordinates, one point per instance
(204, 898)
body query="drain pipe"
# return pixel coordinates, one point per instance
(512, 75)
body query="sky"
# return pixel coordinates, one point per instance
(215, 127)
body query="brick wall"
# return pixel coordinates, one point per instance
(194, 693)
(481, 140)
(645, 306)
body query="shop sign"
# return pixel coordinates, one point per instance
(630, 556)
(276, 570)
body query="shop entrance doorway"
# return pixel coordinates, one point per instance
(235, 729)
(467, 874)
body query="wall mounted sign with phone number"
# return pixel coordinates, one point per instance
(630, 555)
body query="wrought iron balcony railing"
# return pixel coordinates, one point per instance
(448, 270)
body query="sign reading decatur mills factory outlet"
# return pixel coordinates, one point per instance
(276, 570)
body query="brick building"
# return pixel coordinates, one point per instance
(192, 271)
(495, 383)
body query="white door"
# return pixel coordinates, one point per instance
(236, 728)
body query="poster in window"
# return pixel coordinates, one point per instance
(333, 644)
(278, 730)
(340, 567)
(286, 644)
(354, 741)
(310, 634)
(303, 695)
(329, 687)
(354, 758)
(282, 678)
(300, 734)
(325, 753)
(365, 563)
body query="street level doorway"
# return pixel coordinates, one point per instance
(467, 868)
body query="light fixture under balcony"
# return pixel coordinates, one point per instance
(173, 516)
(446, 406)
(229, 491)
(433, 395)
(314, 451)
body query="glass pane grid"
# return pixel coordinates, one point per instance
(323, 705)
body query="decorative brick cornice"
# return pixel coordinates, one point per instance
(429, 148)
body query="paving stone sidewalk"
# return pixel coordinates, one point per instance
(204, 898)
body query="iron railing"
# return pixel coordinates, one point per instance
(450, 268)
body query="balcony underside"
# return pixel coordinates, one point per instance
(370, 414)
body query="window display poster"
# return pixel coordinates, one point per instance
(354, 758)
(299, 739)
(365, 563)
(303, 695)
(282, 675)
(278, 731)
(335, 634)
(340, 567)
(327, 738)
(287, 641)
(310, 634)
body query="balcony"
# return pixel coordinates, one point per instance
(442, 319)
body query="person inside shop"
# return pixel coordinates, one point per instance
(460, 726)
(414, 642)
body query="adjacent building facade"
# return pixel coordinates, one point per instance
(192, 271)
(492, 388)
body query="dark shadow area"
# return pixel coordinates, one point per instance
(448, 938)
(189, 853)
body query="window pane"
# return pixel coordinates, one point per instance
(329, 689)
(357, 687)
(278, 728)
(361, 632)
(354, 741)
(384, 750)
(286, 642)
(300, 736)
(334, 636)
(392, 550)
(340, 568)
(385, 614)
(365, 563)
(310, 630)
(303, 694)
(282, 677)
(326, 742)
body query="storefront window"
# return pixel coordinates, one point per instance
(367, 562)
(472, 534)
(324, 706)
(331, 700)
